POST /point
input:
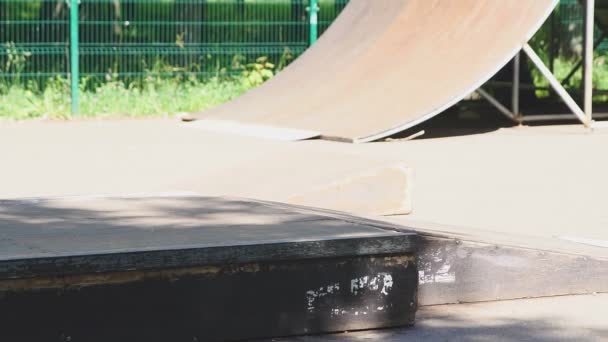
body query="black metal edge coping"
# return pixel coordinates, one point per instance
(178, 258)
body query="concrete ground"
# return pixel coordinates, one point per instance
(571, 318)
(540, 186)
(62, 158)
(544, 183)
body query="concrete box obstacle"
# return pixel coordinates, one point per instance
(196, 269)
(383, 67)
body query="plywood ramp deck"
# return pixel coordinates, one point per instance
(385, 66)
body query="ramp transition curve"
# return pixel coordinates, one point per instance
(383, 67)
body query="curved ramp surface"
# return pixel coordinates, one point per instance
(385, 66)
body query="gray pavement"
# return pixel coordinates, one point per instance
(541, 187)
(534, 186)
(570, 318)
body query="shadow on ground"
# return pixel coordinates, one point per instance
(478, 117)
(88, 225)
(467, 118)
(449, 328)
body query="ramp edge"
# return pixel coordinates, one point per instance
(253, 130)
(458, 98)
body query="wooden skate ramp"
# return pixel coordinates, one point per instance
(385, 66)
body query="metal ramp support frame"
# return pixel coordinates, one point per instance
(585, 114)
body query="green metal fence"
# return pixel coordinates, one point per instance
(32, 35)
(131, 38)
(135, 39)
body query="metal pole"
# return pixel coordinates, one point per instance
(588, 60)
(74, 62)
(552, 44)
(579, 64)
(501, 108)
(580, 114)
(560, 117)
(314, 20)
(516, 82)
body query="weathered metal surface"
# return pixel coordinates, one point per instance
(214, 303)
(385, 66)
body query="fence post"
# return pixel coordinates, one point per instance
(74, 61)
(313, 20)
(588, 60)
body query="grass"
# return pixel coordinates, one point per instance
(562, 68)
(159, 97)
(149, 95)
(156, 96)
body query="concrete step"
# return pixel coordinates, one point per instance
(190, 268)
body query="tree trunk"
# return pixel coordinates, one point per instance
(189, 35)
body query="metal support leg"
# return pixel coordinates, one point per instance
(559, 89)
(552, 43)
(588, 60)
(74, 54)
(501, 108)
(515, 94)
(603, 30)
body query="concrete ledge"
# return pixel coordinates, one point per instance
(192, 268)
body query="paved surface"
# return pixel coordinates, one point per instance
(91, 225)
(42, 158)
(572, 318)
(543, 186)
(538, 183)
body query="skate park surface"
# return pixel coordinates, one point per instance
(525, 184)
(535, 190)
(513, 213)
(570, 318)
